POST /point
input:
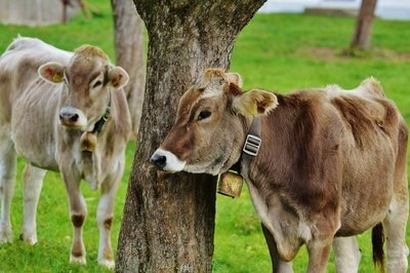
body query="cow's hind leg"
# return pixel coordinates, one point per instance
(33, 180)
(347, 254)
(395, 233)
(104, 220)
(278, 266)
(7, 181)
(396, 219)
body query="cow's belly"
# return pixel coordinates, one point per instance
(35, 147)
(367, 190)
(41, 156)
(33, 127)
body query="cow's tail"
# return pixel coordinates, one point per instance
(378, 242)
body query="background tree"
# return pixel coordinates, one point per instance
(129, 47)
(364, 23)
(168, 221)
(36, 13)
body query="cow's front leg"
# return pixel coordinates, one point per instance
(7, 181)
(33, 180)
(278, 266)
(104, 221)
(318, 255)
(347, 254)
(78, 212)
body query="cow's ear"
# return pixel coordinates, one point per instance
(118, 77)
(234, 78)
(255, 103)
(52, 72)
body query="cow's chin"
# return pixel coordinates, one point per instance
(73, 126)
(204, 168)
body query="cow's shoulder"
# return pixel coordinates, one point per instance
(313, 132)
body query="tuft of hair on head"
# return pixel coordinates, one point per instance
(214, 72)
(220, 76)
(91, 51)
(210, 76)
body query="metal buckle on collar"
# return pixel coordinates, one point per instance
(252, 145)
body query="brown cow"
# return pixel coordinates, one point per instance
(331, 164)
(64, 112)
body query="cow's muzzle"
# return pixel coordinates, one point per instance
(167, 161)
(72, 117)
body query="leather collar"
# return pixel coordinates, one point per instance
(250, 149)
(100, 123)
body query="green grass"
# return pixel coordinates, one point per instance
(278, 52)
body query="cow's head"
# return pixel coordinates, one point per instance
(88, 78)
(211, 124)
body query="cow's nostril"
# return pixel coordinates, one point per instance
(159, 160)
(69, 117)
(74, 118)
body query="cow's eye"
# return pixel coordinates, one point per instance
(97, 83)
(204, 114)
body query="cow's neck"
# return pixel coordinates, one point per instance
(251, 146)
(98, 126)
(280, 133)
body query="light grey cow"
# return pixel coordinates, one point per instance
(65, 112)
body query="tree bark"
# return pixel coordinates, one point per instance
(168, 222)
(362, 34)
(129, 46)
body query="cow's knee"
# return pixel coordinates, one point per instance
(77, 249)
(107, 223)
(77, 220)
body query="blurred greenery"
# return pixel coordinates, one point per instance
(278, 52)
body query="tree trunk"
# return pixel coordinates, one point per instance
(364, 23)
(168, 221)
(129, 45)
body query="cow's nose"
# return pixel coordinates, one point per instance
(159, 160)
(67, 116)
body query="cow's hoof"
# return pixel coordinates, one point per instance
(6, 234)
(78, 260)
(110, 264)
(29, 239)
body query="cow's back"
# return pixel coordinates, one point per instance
(18, 69)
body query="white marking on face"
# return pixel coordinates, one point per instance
(173, 163)
(82, 121)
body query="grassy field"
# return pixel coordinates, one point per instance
(278, 52)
